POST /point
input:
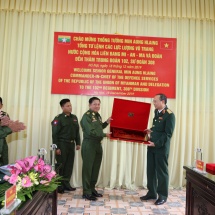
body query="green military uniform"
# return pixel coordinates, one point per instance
(65, 134)
(91, 150)
(4, 131)
(157, 157)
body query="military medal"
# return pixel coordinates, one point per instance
(93, 119)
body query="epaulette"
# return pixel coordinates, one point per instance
(3, 113)
(57, 115)
(169, 111)
(88, 112)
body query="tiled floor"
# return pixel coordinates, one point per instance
(120, 202)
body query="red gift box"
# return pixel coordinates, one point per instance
(210, 168)
(130, 119)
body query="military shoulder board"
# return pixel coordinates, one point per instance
(169, 111)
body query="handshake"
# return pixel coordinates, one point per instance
(15, 126)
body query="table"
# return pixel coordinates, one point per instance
(200, 193)
(41, 203)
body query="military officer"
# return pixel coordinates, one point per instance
(158, 151)
(7, 126)
(91, 150)
(3, 143)
(65, 134)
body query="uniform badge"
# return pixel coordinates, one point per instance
(55, 122)
(93, 114)
(160, 118)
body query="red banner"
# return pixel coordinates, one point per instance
(114, 65)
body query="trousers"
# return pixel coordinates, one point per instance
(91, 152)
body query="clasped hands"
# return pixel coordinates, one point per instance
(15, 126)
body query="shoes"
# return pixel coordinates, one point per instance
(146, 197)
(96, 194)
(89, 197)
(69, 188)
(60, 189)
(160, 201)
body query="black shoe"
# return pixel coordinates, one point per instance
(147, 197)
(69, 188)
(89, 197)
(160, 201)
(96, 194)
(60, 189)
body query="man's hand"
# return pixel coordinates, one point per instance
(151, 144)
(108, 135)
(16, 126)
(78, 147)
(108, 120)
(58, 152)
(148, 131)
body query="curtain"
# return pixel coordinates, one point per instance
(192, 9)
(26, 57)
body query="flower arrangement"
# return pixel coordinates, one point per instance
(32, 174)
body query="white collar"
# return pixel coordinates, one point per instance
(161, 110)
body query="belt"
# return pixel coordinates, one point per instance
(67, 141)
